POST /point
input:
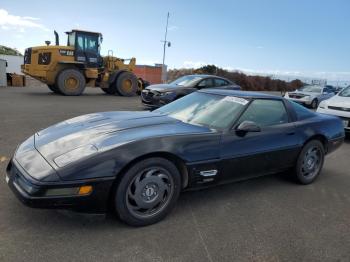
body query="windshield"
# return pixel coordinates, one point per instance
(186, 80)
(313, 89)
(345, 92)
(210, 110)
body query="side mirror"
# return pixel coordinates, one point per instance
(248, 126)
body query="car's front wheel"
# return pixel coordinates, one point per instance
(147, 192)
(310, 162)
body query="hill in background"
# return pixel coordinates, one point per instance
(247, 82)
(4, 50)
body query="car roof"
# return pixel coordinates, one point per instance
(245, 94)
(204, 76)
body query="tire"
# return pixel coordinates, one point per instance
(314, 103)
(108, 91)
(54, 89)
(147, 192)
(126, 84)
(71, 82)
(310, 162)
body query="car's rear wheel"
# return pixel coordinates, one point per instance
(310, 162)
(147, 192)
(314, 103)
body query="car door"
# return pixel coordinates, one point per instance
(251, 154)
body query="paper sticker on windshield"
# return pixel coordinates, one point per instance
(234, 99)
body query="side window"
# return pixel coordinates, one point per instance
(206, 83)
(220, 82)
(265, 112)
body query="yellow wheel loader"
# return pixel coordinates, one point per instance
(67, 70)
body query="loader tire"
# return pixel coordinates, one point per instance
(126, 84)
(71, 82)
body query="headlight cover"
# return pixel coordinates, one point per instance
(75, 154)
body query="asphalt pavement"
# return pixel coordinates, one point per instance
(264, 219)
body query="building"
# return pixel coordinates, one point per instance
(3, 79)
(152, 74)
(14, 63)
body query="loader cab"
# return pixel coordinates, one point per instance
(87, 47)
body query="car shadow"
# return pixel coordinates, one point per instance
(195, 199)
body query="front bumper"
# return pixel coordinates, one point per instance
(33, 193)
(152, 100)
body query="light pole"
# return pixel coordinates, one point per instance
(165, 43)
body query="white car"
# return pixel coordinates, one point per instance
(310, 95)
(338, 105)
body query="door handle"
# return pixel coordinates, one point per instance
(290, 133)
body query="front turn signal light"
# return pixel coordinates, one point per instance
(84, 190)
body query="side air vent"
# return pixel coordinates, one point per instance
(44, 59)
(208, 173)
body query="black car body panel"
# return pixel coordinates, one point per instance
(118, 139)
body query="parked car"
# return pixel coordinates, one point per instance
(338, 105)
(158, 95)
(138, 162)
(310, 95)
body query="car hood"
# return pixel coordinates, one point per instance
(95, 129)
(339, 101)
(163, 87)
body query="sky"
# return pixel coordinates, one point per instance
(289, 38)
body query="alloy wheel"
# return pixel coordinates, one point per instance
(149, 192)
(311, 163)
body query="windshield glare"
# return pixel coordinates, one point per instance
(210, 110)
(313, 89)
(186, 80)
(345, 92)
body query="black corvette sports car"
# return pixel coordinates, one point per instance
(138, 162)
